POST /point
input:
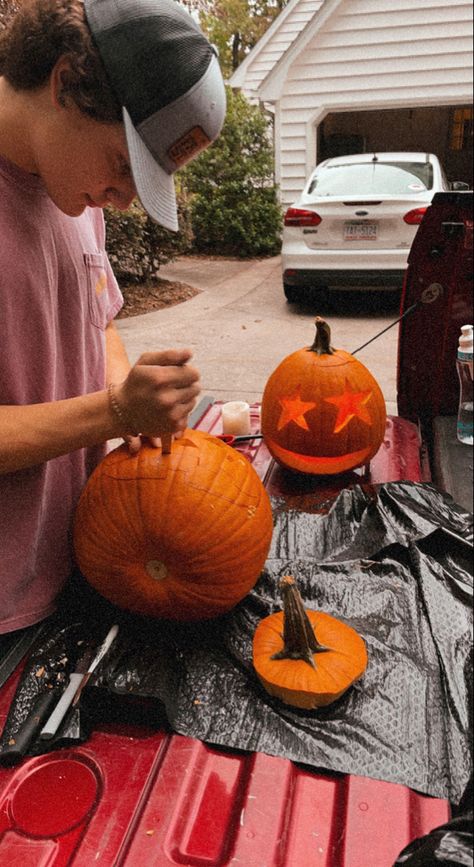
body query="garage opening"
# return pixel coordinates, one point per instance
(446, 131)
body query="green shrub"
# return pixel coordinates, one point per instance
(233, 198)
(137, 246)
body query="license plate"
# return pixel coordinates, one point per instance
(360, 231)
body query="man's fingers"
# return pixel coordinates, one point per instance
(160, 392)
(133, 443)
(166, 358)
(170, 376)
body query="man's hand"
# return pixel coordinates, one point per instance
(158, 394)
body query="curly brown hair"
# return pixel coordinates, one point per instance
(41, 32)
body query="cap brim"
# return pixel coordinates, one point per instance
(155, 187)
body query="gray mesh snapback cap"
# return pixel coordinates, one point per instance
(167, 78)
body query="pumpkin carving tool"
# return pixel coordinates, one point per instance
(234, 440)
(430, 294)
(77, 681)
(166, 440)
(16, 748)
(104, 647)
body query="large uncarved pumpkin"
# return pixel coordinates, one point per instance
(182, 536)
(322, 410)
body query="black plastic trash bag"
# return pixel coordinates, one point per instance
(450, 845)
(394, 562)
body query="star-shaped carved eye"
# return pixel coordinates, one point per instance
(294, 409)
(351, 404)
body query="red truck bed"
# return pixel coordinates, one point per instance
(139, 797)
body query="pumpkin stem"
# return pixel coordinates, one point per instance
(322, 341)
(299, 638)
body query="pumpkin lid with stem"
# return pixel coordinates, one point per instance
(306, 658)
(321, 352)
(322, 340)
(321, 347)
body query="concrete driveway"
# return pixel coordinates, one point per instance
(240, 326)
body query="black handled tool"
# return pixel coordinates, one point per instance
(14, 750)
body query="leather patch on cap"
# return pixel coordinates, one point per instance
(190, 144)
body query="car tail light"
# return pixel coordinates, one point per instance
(301, 217)
(414, 218)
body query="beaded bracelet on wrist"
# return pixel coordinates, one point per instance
(118, 411)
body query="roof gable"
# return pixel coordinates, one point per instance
(274, 44)
(303, 23)
(413, 21)
(271, 86)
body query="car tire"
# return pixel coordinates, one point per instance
(291, 293)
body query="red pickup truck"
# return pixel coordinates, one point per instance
(136, 794)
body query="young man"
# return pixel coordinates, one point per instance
(99, 100)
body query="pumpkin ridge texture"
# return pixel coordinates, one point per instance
(200, 519)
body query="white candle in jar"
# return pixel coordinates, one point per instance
(236, 418)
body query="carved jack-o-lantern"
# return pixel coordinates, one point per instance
(182, 536)
(322, 410)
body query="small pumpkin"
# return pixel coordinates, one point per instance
(182, 536)
(299, 668)
(322, 410)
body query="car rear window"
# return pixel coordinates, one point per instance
(379, 178)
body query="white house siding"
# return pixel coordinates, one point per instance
(369, 54)
(285, 29)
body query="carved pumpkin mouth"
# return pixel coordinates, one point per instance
(324, 466)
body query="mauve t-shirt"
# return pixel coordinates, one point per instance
(57, 294)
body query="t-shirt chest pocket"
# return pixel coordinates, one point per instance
(97, 289)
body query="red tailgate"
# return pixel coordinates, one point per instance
(438, 286)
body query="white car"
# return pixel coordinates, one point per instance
(355, 221)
